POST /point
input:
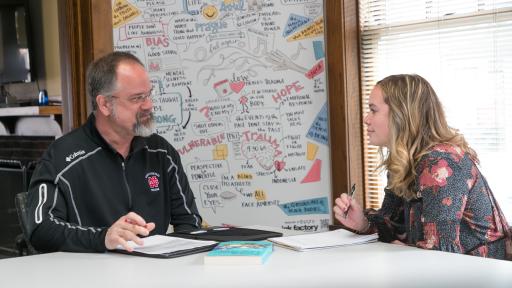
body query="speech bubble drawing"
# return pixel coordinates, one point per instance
(313, 9)
(160, 13)
(208, 127)
(246, 19)
(168, 109)
(211, 195)
(182, 30)
(151, 3)
(141, 30)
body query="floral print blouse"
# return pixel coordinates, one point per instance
(455, 210)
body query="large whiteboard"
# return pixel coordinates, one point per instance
(240, 92)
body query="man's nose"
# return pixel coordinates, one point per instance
(147, 104)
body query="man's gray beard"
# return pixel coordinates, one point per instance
(144, 129)
(140, 129)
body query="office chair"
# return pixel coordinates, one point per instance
(37, 126)
(3, 129)
(23, 240)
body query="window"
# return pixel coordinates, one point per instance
(464, 49)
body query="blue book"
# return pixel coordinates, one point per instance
(239, 252)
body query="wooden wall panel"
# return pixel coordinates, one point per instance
(345, 120)
(86, 35)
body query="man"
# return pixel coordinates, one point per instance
(111, 180)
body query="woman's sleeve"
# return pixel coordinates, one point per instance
(443, 187)
(388, 220)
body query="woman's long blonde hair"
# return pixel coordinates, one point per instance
(416, 123)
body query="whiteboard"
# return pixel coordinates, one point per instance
(240, 92)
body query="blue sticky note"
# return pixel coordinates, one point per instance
(318, 47)
(305, 207)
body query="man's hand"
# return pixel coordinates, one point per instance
(125, 229)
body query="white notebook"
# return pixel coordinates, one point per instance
(323, 240)
(160, 246)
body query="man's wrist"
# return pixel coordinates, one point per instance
(102, 244)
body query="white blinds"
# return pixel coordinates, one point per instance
(464, 49)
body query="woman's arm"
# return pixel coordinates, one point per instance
(444, 189)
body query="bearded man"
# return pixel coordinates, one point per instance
(112, 180)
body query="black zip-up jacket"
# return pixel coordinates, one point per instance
(82, 186)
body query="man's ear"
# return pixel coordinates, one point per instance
(104, 104)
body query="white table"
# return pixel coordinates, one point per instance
(370, 265)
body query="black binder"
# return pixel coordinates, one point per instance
(174, 254)
(222, 234)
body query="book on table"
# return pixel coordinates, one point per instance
(323, 240)
(239, 252)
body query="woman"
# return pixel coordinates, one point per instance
(436, 198)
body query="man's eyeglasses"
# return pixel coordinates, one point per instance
(138, 98)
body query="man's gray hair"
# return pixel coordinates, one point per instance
(101, 74)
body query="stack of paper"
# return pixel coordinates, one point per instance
(323, 240)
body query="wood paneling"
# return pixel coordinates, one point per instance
(345, 118)
(86, 35)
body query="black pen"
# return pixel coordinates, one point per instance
(350, 197)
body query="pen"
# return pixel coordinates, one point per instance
(350, 196)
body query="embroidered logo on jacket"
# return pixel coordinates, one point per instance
(153, 181)
(74, 155)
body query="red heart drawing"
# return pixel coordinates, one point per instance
(237, 86)
(279, 165)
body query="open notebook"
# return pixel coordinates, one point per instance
(323, 240)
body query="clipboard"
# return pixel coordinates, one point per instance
(223, 234)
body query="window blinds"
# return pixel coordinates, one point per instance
(464, 49)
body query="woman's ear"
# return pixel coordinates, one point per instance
(104, 104)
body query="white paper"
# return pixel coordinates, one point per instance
(160, 244)
(323, 240)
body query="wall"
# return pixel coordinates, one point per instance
(52, 77)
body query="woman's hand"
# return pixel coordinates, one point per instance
(345, 206)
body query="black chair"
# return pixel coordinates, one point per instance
(23, 241)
